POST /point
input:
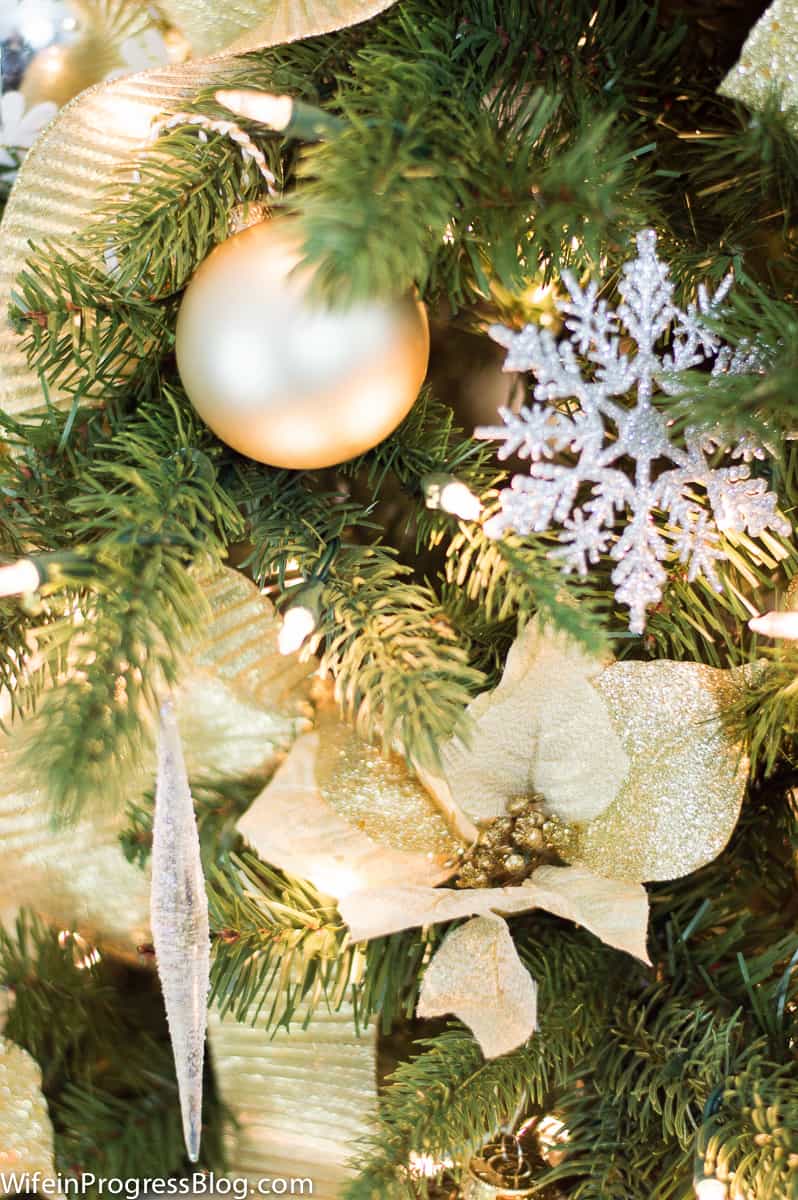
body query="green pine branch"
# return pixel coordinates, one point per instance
(444, 1101)
(278, 944)
(98, 1032)
(399, 669)
(149, 508)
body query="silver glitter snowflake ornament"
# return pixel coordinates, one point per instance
(594, 404)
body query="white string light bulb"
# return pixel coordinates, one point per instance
(776, 624)
(452, 496)
(711, 1189)
(460, 501)
(19, 578)
(270, 110)
(298, 624)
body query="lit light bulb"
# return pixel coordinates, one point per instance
(19, 578)
(274, 111)
(84, 955)
(37, 29)
(458, 500)
(336, 879)
(298, 624)
(776, 624)
(451, 496)
(710, 1189)
(425, 1166)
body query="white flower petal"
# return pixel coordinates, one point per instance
(291, 826)
(614, 911)
(477, 975)
(544, 728)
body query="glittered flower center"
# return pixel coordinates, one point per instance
(510, 848)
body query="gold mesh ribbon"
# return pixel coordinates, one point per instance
(62, 179)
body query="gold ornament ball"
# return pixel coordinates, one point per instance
(76, 42)
(281, 377)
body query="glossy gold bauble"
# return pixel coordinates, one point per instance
(285, 379)
(58, 48)
(59, 73)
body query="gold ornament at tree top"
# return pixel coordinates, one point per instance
(52, 51)
(286, 379)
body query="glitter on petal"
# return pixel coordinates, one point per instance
(768, 62)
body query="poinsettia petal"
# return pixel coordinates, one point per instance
(293, 826)
(680, 802)
(477, 976)
(615, 911)
(543, 729)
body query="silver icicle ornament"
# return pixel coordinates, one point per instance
(180, 929)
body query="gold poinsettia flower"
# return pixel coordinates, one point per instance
(631, 758)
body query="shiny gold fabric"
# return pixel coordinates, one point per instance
(242, 25)
(301, 1099)
(60, 184)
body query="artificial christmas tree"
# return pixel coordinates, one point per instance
(433, 717)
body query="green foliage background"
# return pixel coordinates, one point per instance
(487, 145)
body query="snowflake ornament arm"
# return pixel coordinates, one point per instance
(625, 463)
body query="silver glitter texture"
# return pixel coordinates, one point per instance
(582, 410)
(180, 930)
